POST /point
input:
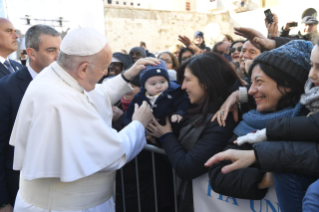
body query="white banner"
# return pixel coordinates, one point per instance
(206, 200)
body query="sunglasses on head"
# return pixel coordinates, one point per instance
(232, 50)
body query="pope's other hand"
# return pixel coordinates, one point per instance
(139, 66)
(143, 113)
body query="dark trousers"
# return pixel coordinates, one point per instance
(291, 189)
(311, 200)
(12, 178)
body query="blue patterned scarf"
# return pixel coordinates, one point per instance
(254, 120)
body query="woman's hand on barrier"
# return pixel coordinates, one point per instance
(267, 181)
(240, 158)
(188, 43)
(157, 130)
(230, 105)
(7, 208)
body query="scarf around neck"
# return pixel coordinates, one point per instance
(254, 120)
(125, 104)
(311, 97)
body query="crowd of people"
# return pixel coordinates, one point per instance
(75, 115)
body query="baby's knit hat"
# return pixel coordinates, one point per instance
(151, 71)
(292, 58)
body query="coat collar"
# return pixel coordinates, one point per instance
(4, 70)
(24, 78)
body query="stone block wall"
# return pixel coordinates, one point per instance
(126, 27)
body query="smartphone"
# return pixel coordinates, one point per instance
(269, 16)
(294, 24)
(24, 52)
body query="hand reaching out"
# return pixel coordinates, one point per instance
(188, 43)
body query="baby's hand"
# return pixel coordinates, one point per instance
(176, 118)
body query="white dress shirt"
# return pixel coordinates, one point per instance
(31, 71)
(2, 61)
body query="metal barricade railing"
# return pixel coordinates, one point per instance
(153, 149)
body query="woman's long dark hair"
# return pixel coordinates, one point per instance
(182, 51)
(215, 75)
(293, 88)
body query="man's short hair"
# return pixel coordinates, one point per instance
(70, 62)
(32, 36)
(142, 43)
(216, 46)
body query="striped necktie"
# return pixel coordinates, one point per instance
(9, 67)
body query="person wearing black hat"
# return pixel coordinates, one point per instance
(308, 33)
(199, 41)
(137, 53)
(120, 62)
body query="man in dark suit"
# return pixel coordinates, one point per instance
(43, 44)
(8, 44)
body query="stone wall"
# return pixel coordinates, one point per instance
(126, 27)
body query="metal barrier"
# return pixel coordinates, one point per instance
(153, 149)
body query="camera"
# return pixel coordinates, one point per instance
(294, 24)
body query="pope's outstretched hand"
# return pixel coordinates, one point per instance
(143, 113)
(139, 66)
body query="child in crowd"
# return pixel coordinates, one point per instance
(165, 97)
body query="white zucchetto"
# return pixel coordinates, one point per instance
(83, 42)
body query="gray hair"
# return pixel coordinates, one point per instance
(70, 62)
(32, 36)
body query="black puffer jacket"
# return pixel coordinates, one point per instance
(242, 183)
(293, 146)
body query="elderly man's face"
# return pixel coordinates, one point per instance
(98, 68)
(8, 38)
(310, 28)
(135, 56)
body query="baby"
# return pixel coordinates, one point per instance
(165, 97)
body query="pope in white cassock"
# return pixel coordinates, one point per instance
(64, 143)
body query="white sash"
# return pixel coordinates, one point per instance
(52, 194)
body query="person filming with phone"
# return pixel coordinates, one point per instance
(308, 32)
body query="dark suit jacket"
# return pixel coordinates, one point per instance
(4, 71)
(12, 89)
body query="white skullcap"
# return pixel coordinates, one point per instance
(83, 42)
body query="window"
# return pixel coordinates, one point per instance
(132, 3)
(269, 3)
(109, 1)
(188, 6)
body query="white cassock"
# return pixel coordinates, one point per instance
(65, 146)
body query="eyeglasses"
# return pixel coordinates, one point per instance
(232, 50)
(186, 58)
(167, 61)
